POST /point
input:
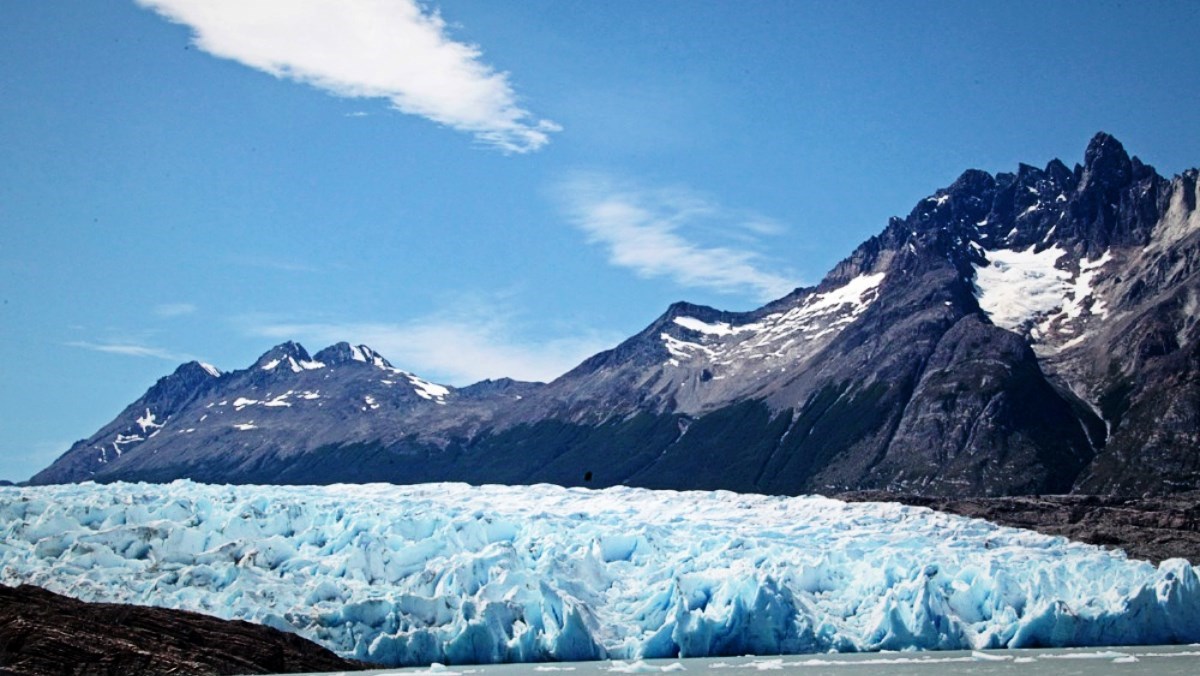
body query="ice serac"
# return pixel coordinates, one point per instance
(1029, 332)
(458, 574)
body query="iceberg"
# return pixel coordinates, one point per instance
(455, 574)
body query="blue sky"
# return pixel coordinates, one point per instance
(479, 189)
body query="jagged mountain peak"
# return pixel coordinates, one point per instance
(971, 183)
(1106, 165)
(345, 353)
(700, 312)
(290, 355)
(197, 370)
(282, 351)
(183, 383)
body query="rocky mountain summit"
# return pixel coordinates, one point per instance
(1018, 333)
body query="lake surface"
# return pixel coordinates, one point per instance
(1157, 660)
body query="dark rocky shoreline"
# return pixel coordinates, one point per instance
(46, 633)
(1153, 528)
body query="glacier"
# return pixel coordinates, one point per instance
(451, 573)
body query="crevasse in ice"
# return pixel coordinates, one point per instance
(405, 575)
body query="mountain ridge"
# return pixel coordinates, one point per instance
(1016, 333)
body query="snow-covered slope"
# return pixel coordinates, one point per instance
(448, 572)
(787, 337)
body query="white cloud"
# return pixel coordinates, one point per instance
(130, 350)
(654, 231)
(168, 310)
(394, 50)
(456, 349)
(268, 263)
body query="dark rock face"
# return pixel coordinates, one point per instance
(43, 633)
(984, 416)
(1020, 333)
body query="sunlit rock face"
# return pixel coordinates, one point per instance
(405, 575)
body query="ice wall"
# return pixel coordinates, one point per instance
(406, 575)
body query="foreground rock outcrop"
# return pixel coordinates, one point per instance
(46, 633)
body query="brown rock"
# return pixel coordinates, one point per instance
(46, 633)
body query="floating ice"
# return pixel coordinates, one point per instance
(449, 573)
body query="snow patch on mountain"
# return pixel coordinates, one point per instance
(280, 401)
(453, 573)
(1017, 286)
(147, 421)
(718, 329)
(682, 349)
(294, 365)
(427, 390)
(124, 440)
(1025, 289)
(364, 354)
(779, 334)
(1082, 288)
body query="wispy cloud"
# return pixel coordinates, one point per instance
(663, 232)
(169, 310)
(268, 263)
(455, 348)
(131, 350)
(398, 50)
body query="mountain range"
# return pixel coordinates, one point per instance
(1018, 333)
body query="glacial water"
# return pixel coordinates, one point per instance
(1120, 661)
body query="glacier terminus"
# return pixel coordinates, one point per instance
(410, 575)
